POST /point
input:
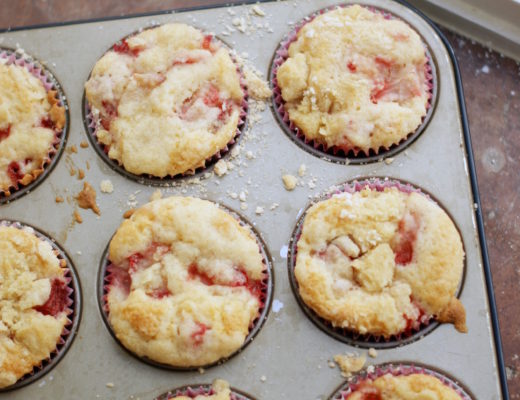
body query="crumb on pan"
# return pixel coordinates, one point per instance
(72, 149)
(220, 168)
(302, 170)
(455, 314)
(156, 195)
(87, 198)
(289, 182)
(372, 352)
(349, 363)
(81, 174)
(128, 213)
(106, 186)
(77, 217)
(83, 144)
(256, 86)
(59, 199)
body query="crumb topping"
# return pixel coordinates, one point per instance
(380, 262)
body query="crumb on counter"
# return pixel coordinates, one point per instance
(289, 182)
(220, 168)
(59, 199)
(87, 198)
(106, 186)
(349, 363)
(83, 145)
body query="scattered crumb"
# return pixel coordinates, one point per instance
(485, 69)
(243, 206)
(273, 206)
(302, 170)
(87, 198)
(233, 195)
(81, 174)
(201, 370)
(72, 149)
(72, 170)
(250, 155)
(156, 195)
(220, 168)
(106, 186)
(372, 352)
(128, 213)
(389, 160)
(59, 199)
(242, 196)
(110, 385)
(257, 87)
(259, 210)
(77, 217)
(83, 145)
(349, 363)
(258, 11)
(289, 182)
(79, 252)
(263, 378)
(331, 364)
(88, 165)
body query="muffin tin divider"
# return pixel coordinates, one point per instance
(289, 348)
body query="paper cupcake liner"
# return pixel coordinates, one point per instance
(404, 369)
(50, 83)
(73, 310)
(106, 278)
(91, 124)
(334, 153)
(419, 328)
(197, 390)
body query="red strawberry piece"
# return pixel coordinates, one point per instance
(57, 301)
(198, 334)
(14, 171)
(4, 133)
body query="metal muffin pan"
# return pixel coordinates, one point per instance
(289, 348)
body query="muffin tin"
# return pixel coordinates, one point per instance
(289, 348)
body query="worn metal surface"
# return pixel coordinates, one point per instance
(289, 349)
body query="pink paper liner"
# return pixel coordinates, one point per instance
(420, 325)
(264, 299)
(92, 124)
(396, 370)
(281, 55)
(197, 390)
(67, 329)
(49, 83)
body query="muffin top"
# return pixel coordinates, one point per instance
(404, 387)
(355, 80)
(30, 117)
(378, 262)
(186, 282)
(220, 391)
(33, 302)
(165, 99)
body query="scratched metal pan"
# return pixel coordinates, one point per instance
(290, 347)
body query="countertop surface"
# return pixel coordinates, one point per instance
(492, 91)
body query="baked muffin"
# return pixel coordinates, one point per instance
(380, 261)
(185, 282)
(33, 302)
(30, 119)
(355, 80)
(166, 100)
(403, 387)
(219, 391)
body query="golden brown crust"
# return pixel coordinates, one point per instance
(404, 387)
(455, 314)
(87, 198)
(193, 274)
(355, 80)
(374, 261)
(28, 267)
(57, 112)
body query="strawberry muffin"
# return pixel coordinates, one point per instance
(403, 387)
(219, 390)
(380, 261)
(165, 100)
(31, 118)
(186, 282)
(355, 80)
(34, 300)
